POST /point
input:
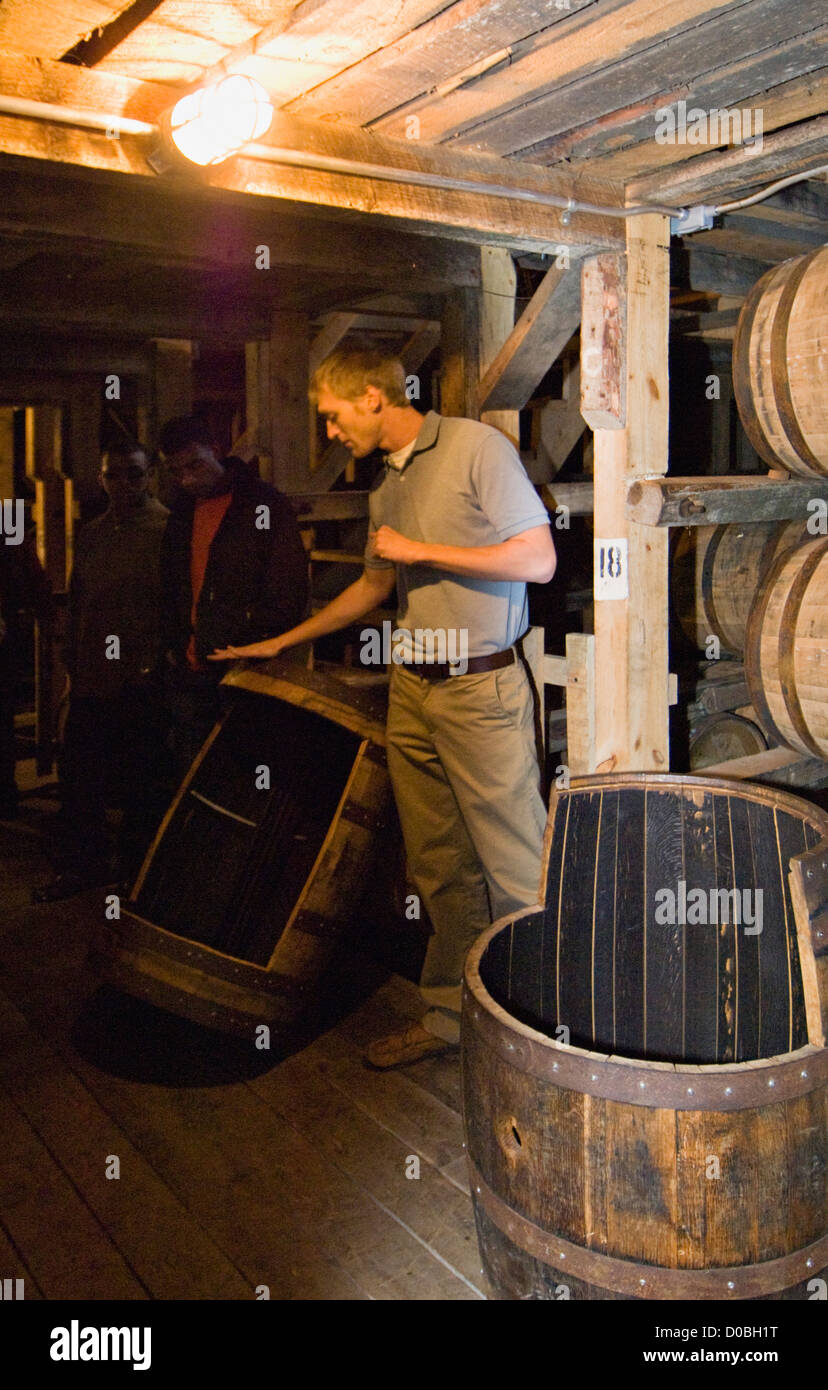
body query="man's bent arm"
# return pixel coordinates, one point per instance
(528, 557)
(353, 603)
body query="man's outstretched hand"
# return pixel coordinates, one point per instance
(270, 647)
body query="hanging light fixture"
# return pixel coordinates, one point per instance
(209, 125)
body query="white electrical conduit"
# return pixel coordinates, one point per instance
(94, 120)
(67, 115)
(772, 188)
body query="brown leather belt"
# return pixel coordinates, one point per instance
(474, 666)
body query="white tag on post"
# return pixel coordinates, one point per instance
(610, 580)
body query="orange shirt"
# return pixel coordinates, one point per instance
(207, 518)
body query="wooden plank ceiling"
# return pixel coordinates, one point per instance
(553, 95)
(543, 81)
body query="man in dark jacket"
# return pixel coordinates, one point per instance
(233, 569)
(113, 741)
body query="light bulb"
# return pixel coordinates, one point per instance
(211, 124)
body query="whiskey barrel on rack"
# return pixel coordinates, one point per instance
(646, 1082)
(780, 364)
(724, 736)
(786, 650)
(716, 572)
(262, 856)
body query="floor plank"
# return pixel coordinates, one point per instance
(13, 1266)
(69, 1252)
(171, 1254)
(416, 1193)
(424, 1124)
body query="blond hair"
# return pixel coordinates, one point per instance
(347, 371)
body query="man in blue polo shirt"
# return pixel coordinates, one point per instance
(456, 523)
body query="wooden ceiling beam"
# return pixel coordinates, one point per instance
(174, 226)
(473, 216)
(52, 356)
(721, 177)
(521, 221)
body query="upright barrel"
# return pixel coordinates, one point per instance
(262, 857)
(644, 1064)
(716, 572)
(786, 652)
(780, 365)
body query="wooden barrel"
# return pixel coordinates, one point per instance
(262, 856)
(716, 571)
(780, 365)
(645, 1074)
(722, 737)
(786, 650)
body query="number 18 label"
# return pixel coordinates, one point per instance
(611, 569)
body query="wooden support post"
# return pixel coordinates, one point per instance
(172, 378)
(289, 405)
(6, 452)
(497, 319)
(460, 352)
(631, 675)
(580, 703)
(277, 401)
(171, 394)
(84, 441)
(54, 531)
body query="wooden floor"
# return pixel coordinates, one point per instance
(237, 1170)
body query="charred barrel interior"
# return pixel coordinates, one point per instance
(661, 1011)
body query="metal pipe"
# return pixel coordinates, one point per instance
(331, 164)
(68, 115)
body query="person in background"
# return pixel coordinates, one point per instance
(23, 587)
(113, 745)
(456, 522)
(233, 569)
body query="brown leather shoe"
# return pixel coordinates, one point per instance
(399, 1049)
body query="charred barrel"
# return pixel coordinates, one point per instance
(645, 1073)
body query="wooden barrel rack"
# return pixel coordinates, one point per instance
(590, 1150)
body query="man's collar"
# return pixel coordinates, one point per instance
(426, 439)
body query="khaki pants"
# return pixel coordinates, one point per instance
(463, 764)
